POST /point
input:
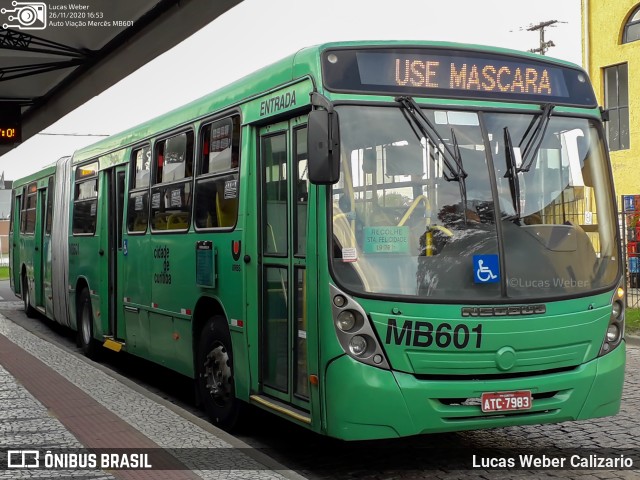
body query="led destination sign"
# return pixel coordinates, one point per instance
(461, 74)
(10, 131)
(9, 135)
(455, 73)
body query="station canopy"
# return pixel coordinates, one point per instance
(57, 55)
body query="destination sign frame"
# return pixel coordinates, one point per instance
(455, 73)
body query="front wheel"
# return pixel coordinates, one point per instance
(84, 316)
(214, 368)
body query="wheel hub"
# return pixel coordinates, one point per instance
(217, 375)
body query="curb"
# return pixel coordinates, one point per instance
(632, 340)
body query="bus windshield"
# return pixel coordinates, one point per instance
(485, 206)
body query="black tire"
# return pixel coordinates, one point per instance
(214, 370)
(26, 297)
(84, 319)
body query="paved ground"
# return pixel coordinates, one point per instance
(55, 400)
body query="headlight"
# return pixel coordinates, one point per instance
(339, 301)
(612, 333)
(346, 321)
(616, 310)
(615, 329)
(358, 345)
(355, 330)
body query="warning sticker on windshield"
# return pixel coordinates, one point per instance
(349, 254)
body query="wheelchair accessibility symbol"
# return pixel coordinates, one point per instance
(486, 269)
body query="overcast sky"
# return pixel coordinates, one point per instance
(259, 32)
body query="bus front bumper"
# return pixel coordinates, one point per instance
(364, 402)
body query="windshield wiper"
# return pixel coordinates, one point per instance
(535, 141)
(512, 174)
(452, 159)
(461, 174)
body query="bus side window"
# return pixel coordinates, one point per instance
(28, 214)
(217, 181)
(171, 193)
(85, 205)
(206, 214)
(138, 205)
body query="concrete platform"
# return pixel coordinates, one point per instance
(53, 400)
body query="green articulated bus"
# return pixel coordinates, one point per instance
(371, 239)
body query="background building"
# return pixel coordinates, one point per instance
(5, 210)
(5, 197)
(611, 55)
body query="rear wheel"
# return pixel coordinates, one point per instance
(26, 297)
(84, 316)
(216, 385)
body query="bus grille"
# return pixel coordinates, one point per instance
(492, 376)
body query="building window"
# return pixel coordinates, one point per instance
(632, 28)
(616, 100)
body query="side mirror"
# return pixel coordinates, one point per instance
(323, 147)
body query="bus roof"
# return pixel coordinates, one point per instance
(42, 173)
(304, 62)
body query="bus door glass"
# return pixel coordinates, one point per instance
(135, 287)
(115, 181)
(14, 235)
(47, 222)
(38, 278)
(284, 308)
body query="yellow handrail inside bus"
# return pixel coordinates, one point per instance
(348, 183)
(427, 207)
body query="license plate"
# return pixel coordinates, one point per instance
(506, 401)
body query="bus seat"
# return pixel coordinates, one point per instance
(178, 221)
(139, 223)
(226, 210)
(160, 222)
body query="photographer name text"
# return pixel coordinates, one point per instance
(591, 461)
(78, 15)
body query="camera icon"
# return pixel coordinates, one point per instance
(29, 15)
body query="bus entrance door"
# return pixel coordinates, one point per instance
(14, 244)
(287, 306)
(39, 247)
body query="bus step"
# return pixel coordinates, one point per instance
(113, 344)
(281, 407)
(41, 309)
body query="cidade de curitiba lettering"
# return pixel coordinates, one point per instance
(162, 253)
(280, 102)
